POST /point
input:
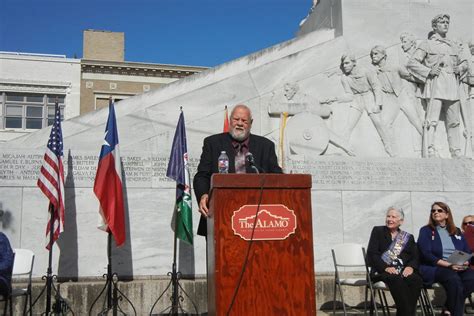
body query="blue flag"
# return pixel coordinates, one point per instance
(178, 171)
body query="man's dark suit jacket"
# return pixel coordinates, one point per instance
(263, 151)
(380, 240)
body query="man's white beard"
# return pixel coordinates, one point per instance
(239, 135)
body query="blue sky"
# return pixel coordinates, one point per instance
(185, 32)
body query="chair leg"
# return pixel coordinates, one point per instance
(25, 304)
(11, 305)
(381, 302)
(427, 306)
(385, 302)
(342, 300)
(31, 306)
(420, 303)
(373, 302)
(334, 299)
(365, 299)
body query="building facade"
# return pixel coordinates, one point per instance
(29, 86)
(31, 83)
(105, 73)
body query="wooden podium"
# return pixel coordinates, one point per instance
(279, 274)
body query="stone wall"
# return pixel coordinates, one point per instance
(354, 180)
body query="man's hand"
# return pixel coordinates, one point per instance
(434, 72)
(328, 101)
(203, 205)
(457, 69)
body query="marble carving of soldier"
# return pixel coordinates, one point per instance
(394, 95)
(438, 63)
(363, 91)
(297, 104)
(413, 86)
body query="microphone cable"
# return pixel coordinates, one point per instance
(246, 259)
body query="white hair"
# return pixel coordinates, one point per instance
(398, 210)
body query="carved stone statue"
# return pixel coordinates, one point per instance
(467, 99)
(413, 87)
(362, 89)
(394, 95)
(309, 113)
(438, 63)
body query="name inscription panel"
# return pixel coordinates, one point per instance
(21, 168)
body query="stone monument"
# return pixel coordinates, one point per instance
(357, 172)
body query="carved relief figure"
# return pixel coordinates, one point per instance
(362, 89)
(438, 64)
(467, 99)
(413, 87)
(295, 102)
(394, 95)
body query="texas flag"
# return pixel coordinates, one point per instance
(108, 182)
(226, 121)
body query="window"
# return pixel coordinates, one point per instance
(29, 111)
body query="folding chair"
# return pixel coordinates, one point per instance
(380, 287)
(426, 305)
(349, 255)
(376, 287)
(23, 268)
(6, 302)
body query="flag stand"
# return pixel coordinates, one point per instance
(60, 307)
(113, 291)
(176, 298)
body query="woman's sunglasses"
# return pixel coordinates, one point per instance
(469, 223)
(438, 211)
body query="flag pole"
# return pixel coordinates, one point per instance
(175, 275)
(60, 305)
(113, 295)
(49, 278)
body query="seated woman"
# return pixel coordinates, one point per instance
(6, 265)
(467, 229)
(393, 256)
(436, 242)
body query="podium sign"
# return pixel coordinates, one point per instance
(279, 274)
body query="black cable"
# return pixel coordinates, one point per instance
(244, 265)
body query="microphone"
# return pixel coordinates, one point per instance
(251, 161)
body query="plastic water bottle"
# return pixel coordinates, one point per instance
(223, 162)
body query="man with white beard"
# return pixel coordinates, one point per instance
(237, 143)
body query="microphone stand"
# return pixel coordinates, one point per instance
(60, 306)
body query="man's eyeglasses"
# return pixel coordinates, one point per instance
(469, 223)
(439, 210)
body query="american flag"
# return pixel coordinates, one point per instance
(51, 179)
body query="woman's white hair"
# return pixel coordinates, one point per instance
(398, 210)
